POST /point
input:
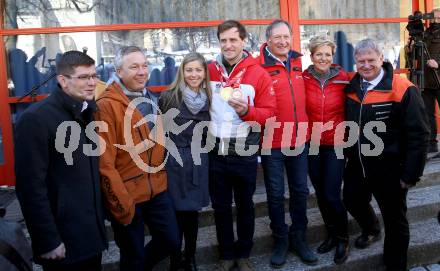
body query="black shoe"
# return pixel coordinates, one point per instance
(189, 264)
(433, 147)
(281, 247)
(175, 261)
(327, 245)
(341, 251)
(435, 156)
(364, 240)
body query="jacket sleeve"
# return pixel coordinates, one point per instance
(415, 136)
(118, 200)
(264, 103)
(32, 159)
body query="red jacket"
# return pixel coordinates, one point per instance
(325, 103)
(259, 85)
(291, 102)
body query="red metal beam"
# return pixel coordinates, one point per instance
(429, 5)
(295, 22)
(115, 27)
(352, 21)
(157, 88)
(284, 10)
(6, 123)
(415, 5)
(28, 99)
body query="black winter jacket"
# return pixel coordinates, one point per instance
(397, 103)
(60, 202)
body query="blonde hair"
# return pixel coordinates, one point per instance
(176, 92)
(319, 41)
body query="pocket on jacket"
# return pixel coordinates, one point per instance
(131, 183)
(134, 178)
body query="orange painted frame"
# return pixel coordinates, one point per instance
(289, 11)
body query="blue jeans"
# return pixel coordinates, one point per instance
(158, 214)
(296, 169)
(326, 171)
(233, 175)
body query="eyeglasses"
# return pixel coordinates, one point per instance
(83, 77)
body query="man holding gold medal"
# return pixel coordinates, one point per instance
(242, 93)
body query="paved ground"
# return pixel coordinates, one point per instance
(432, 267)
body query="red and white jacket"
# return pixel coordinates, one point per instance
(256, 88)
(289, 90)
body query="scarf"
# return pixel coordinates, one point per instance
(130, 94)
(195, 101)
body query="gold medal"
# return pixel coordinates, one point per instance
(237, 94)
(225, 93)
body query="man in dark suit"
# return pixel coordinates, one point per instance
(57, 178)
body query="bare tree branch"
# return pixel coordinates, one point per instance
(87, 7)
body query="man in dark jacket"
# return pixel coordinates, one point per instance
(431, 92)
(58, 184)
(390, 152)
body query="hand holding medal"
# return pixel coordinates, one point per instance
(240, 106)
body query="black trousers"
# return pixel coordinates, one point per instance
(90, 264)
(430, 97)
(233, 176)
(188, 222)
(158, 214)
(326, 171)
(382, 182)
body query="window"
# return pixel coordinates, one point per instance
(337, 9)
(48, 13)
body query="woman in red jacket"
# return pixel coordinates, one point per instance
(325, 98)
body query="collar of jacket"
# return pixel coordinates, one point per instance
(115, 92)
(244, 62)
(385, 85)
(71, 105)
(269, 60)
(219, 59)
(333, 71)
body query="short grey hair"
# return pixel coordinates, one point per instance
(274, 24)
(123, 51)
(367, 44)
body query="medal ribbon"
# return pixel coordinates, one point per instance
(233, 82)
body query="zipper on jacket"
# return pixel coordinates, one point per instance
(149, 163)
(322, 100)
(359, 138)
(322, 84)
(294, 104)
